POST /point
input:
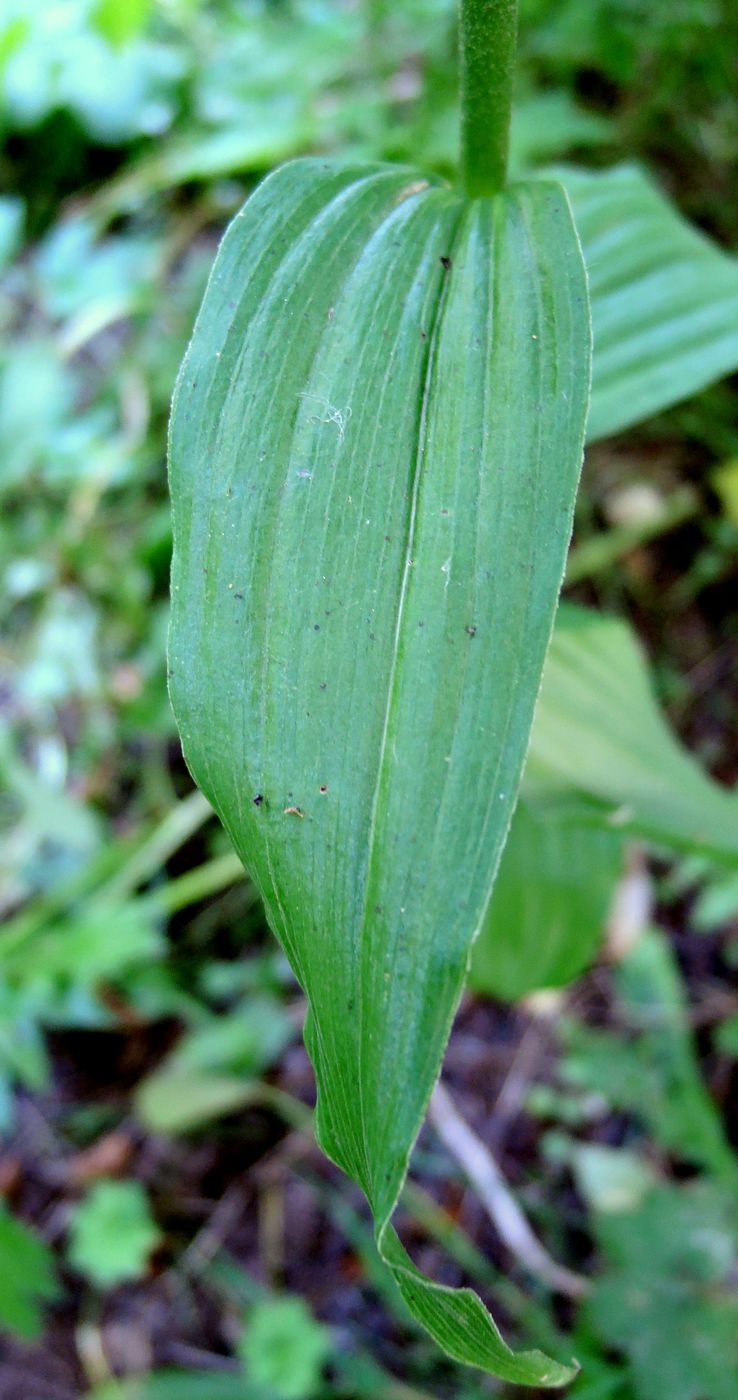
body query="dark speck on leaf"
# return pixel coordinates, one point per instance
(238, 595)
(446, 263)
(316, 626)
(471, 631)
(258, 799)
(322, 788)
(323, 685)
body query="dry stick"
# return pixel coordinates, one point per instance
(607, 547)
(480, 1167)
(631, 905)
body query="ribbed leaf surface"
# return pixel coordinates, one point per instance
(664, 298)
(375, 445)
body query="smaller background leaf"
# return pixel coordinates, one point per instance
(549, 905)
(664, 298)
(598, 731)
(121, 20)
(27, 1277)
(666, 1301)
(283, 1348)
(112, 1233)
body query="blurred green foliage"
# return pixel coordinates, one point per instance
(28, 1279)
(112, 1234)
(283, 1348)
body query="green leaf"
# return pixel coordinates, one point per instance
(375, 445)
(667, 1300)
(27, 1277)
(550, 903)
(206, 1075)
(12, 215)
(664, 298)
(13, 34)
(119, 21)
(112, 1233)
(726, 1037)
(175, 1100)
(656, 1073)
(547, 125)
(251, 146)
(283, 1348)
(611, 1179)
(599, 732)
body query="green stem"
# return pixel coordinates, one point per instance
(488, 41)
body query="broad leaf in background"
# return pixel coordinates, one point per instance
(375, 447)
(599, 732)
(664, 298)
(666, 1298)
(550, 903)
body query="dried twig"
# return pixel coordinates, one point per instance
(485, 1176)
(631, 906)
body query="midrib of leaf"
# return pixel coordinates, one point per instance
(491, 239)
(497, 289)
(410, 529)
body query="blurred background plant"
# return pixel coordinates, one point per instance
(163, 1200)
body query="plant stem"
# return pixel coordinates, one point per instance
(488, 41)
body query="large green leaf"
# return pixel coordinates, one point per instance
(664, 298)
(375, 446)
(598, 731)
(550, 903)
